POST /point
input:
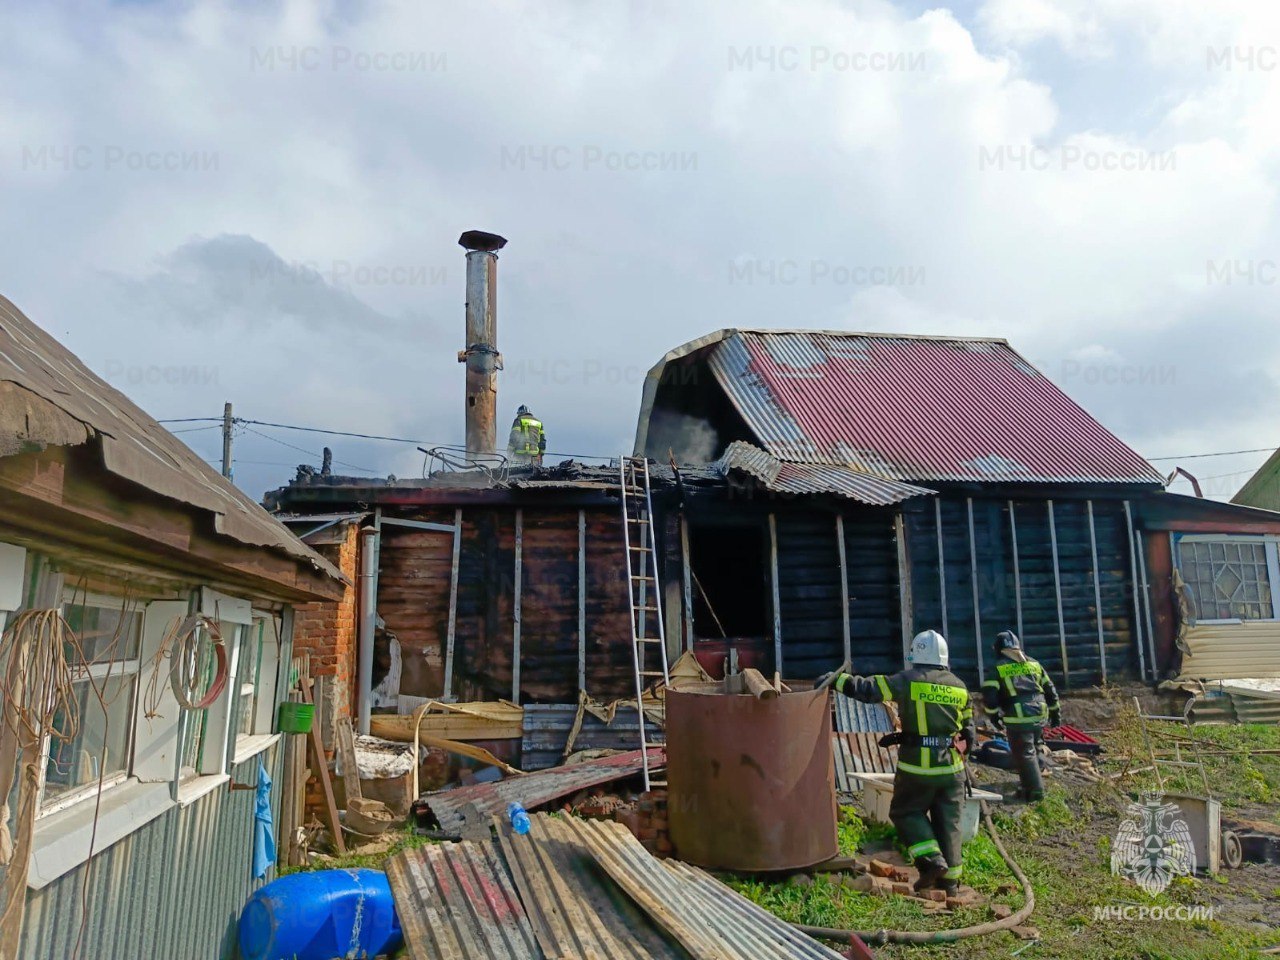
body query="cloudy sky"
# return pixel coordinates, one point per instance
(260, 203)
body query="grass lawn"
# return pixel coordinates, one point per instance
(1063, 844)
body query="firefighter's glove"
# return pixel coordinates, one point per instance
(1055, 717)
(891, 739)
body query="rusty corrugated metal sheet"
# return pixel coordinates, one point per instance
(456, 901)
(709, 920)
(452, 807)
(573, 910)
(917, 408)
(842, 481)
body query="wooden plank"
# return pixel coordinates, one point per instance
(345, 741)
(330, 805)
(582, 601)
(1137, 597)
(687, 578)
(942, 565)
(1097, 591)
(515, 614)
(1017, 569)
(1057, 592)
(777, 601)
(758, 686)
(973, 578)
(453, 604)
(845, 632)
(475, 721)
(904, 584)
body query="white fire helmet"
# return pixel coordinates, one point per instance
(929, 649)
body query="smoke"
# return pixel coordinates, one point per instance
(690, 439)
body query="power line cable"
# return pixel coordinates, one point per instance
(310, 453)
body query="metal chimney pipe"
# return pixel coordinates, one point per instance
(481, 355)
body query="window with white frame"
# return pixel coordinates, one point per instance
(257, 668)
(97, 726)
(1230, 578)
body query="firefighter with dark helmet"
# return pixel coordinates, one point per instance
(937, 732)
(528, 441)
(1021, 699)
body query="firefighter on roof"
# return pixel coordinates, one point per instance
(528, 440)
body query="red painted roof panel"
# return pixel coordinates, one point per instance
(917, 408)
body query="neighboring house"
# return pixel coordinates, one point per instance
(1263, 488)
(140, 845)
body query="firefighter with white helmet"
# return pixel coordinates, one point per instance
(937, 732)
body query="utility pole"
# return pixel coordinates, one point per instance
(227, 421)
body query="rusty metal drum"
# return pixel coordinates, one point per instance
(750, 781)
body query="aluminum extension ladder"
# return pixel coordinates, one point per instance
(643, 591)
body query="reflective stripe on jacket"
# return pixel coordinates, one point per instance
(1021, 694)
(932, 702)
(527, 438)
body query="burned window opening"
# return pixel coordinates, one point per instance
(730, 573)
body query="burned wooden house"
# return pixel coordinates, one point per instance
(816, 497)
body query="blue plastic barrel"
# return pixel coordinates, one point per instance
(321, 916)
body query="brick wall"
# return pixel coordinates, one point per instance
(328, 632)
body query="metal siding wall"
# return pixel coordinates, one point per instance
(173, 889)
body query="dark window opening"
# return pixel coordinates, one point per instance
(730, 582)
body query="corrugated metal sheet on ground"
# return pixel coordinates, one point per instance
(456, 901)
(573, 908)
(450, 807)
(1231, 651)
(711, 921)
(916, 408)
(854, 716)
(547, 725)
(855, 753)
(843, 481)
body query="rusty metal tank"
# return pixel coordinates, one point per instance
(750, 782)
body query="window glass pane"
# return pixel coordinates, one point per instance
(1227, 579)
(105, 633)
(100, 745)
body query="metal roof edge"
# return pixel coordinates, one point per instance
(649, 392)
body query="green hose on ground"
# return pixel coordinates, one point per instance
(876, 937)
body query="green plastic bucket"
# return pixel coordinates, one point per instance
(296, 717)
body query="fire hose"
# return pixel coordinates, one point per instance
(878, 937)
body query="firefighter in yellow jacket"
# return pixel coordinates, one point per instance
(1021, 699)
(937, 731)
(528, 440)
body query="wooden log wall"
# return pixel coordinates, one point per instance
(998, 588)
(413, 599)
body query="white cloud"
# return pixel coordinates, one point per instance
(640, 161)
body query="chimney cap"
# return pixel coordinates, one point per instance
(480, 240)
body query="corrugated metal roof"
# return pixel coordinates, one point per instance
(456, 901)
(134, 446)
(710, 920)
(452, 808)
(547, 726)
(842, 481)
(914, 408)
(574, 911)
